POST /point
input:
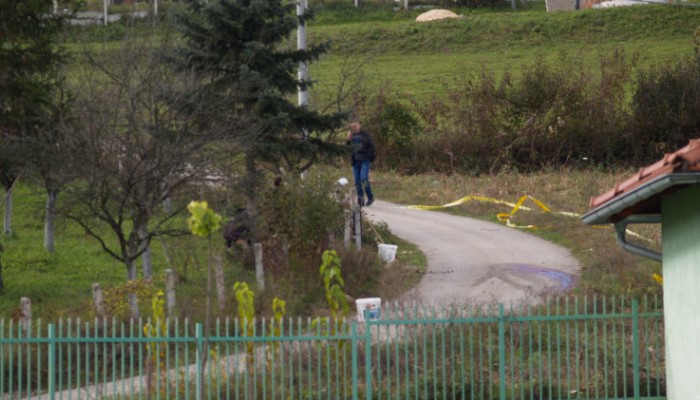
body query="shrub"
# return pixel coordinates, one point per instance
(553, 115)
(301, 217)
(666, 108)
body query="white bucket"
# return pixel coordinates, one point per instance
(372, 305)
(387, 252)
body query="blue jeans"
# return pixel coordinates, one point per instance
(360, 170)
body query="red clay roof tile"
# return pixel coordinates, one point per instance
(686, 159)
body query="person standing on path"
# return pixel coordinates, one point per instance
(363, 153)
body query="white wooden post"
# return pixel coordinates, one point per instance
(358, 227)
(25, 305)
(348, 230)
(259, 273)
(170, 291)
(405, 4)
(220, 287)
(98, 300)
(105, 4)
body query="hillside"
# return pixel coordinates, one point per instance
(418, 57)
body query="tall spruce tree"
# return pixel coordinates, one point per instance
(247, 78)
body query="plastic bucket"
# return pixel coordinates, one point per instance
(372, 305)
(387, 252)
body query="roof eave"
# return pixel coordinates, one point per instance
(604, 214)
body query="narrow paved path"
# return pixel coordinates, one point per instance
(477, 261)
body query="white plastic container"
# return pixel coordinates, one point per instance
(387, 252)
(372, 305)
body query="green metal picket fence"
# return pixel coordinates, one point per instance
(566, 349)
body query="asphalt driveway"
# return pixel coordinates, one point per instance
(474, 261)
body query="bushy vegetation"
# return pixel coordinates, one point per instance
(552, 116)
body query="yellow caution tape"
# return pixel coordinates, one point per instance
(515, 207)
(503, 217)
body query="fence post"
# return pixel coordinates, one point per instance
(501, 352)
(358, 227)
(104, 4)
(220, 287)
(347, 233)
(635, 347)
(368, 357)
(170, 291)
(199, 340)
(98, 299)
(25, 304)
(259, 273)
(52, 361)
(354, 361)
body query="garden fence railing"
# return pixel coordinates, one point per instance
(568, 348)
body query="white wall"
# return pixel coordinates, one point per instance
(681, 272)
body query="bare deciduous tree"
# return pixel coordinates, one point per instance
(133, 150)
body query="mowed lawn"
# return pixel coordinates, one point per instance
(418, 59)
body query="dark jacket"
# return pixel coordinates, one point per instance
(362, 147)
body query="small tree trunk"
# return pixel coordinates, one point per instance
(220, 286)
(170, 292)
(146, 260)
(98, 299)
(49, 221)
(133, 301)
(250, 190)
(8, 212)
(259, 273)
(168, 205)
(2, 283)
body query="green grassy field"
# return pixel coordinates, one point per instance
(419, 58)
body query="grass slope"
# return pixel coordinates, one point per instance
(418, 58)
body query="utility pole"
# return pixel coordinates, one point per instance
(303, 74)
